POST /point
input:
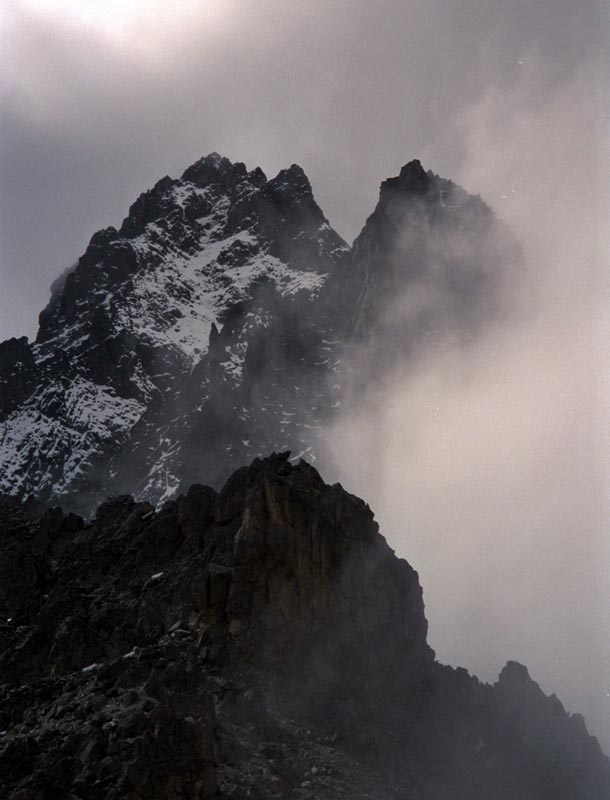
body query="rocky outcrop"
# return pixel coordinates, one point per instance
(261, 641)
(18, 374)
(429, 264)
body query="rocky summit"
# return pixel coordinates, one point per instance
(258, 642)
(226, 317)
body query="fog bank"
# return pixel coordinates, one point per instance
(487, 462)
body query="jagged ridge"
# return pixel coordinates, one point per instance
(259, 642)
(226, 316)
(111, 371)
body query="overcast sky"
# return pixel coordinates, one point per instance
(100, 98)
(503, 506)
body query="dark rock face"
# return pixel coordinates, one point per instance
(226, 317)
(18, 374)
(445, 252)
(259, 642)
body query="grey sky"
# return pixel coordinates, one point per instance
(94, 114)
(507, 98)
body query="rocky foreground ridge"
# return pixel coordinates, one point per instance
(258, 642)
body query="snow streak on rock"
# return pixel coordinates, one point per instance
(123, 356)
(57, 435)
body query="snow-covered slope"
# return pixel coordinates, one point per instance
(219, 253)
(53, 439)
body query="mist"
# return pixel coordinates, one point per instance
(486, 458)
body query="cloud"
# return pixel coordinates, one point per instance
(487, 460)
(94, 112)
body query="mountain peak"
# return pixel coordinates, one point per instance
(200, 269)
(215, 158)
(515, 673)
(412, 167)
(293, 181)
(412, 179)
(413, 173)
(213, 161)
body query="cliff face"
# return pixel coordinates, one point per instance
(170, 336)
(430, 263)
(263, 641)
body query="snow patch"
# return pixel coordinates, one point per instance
(85, 416)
